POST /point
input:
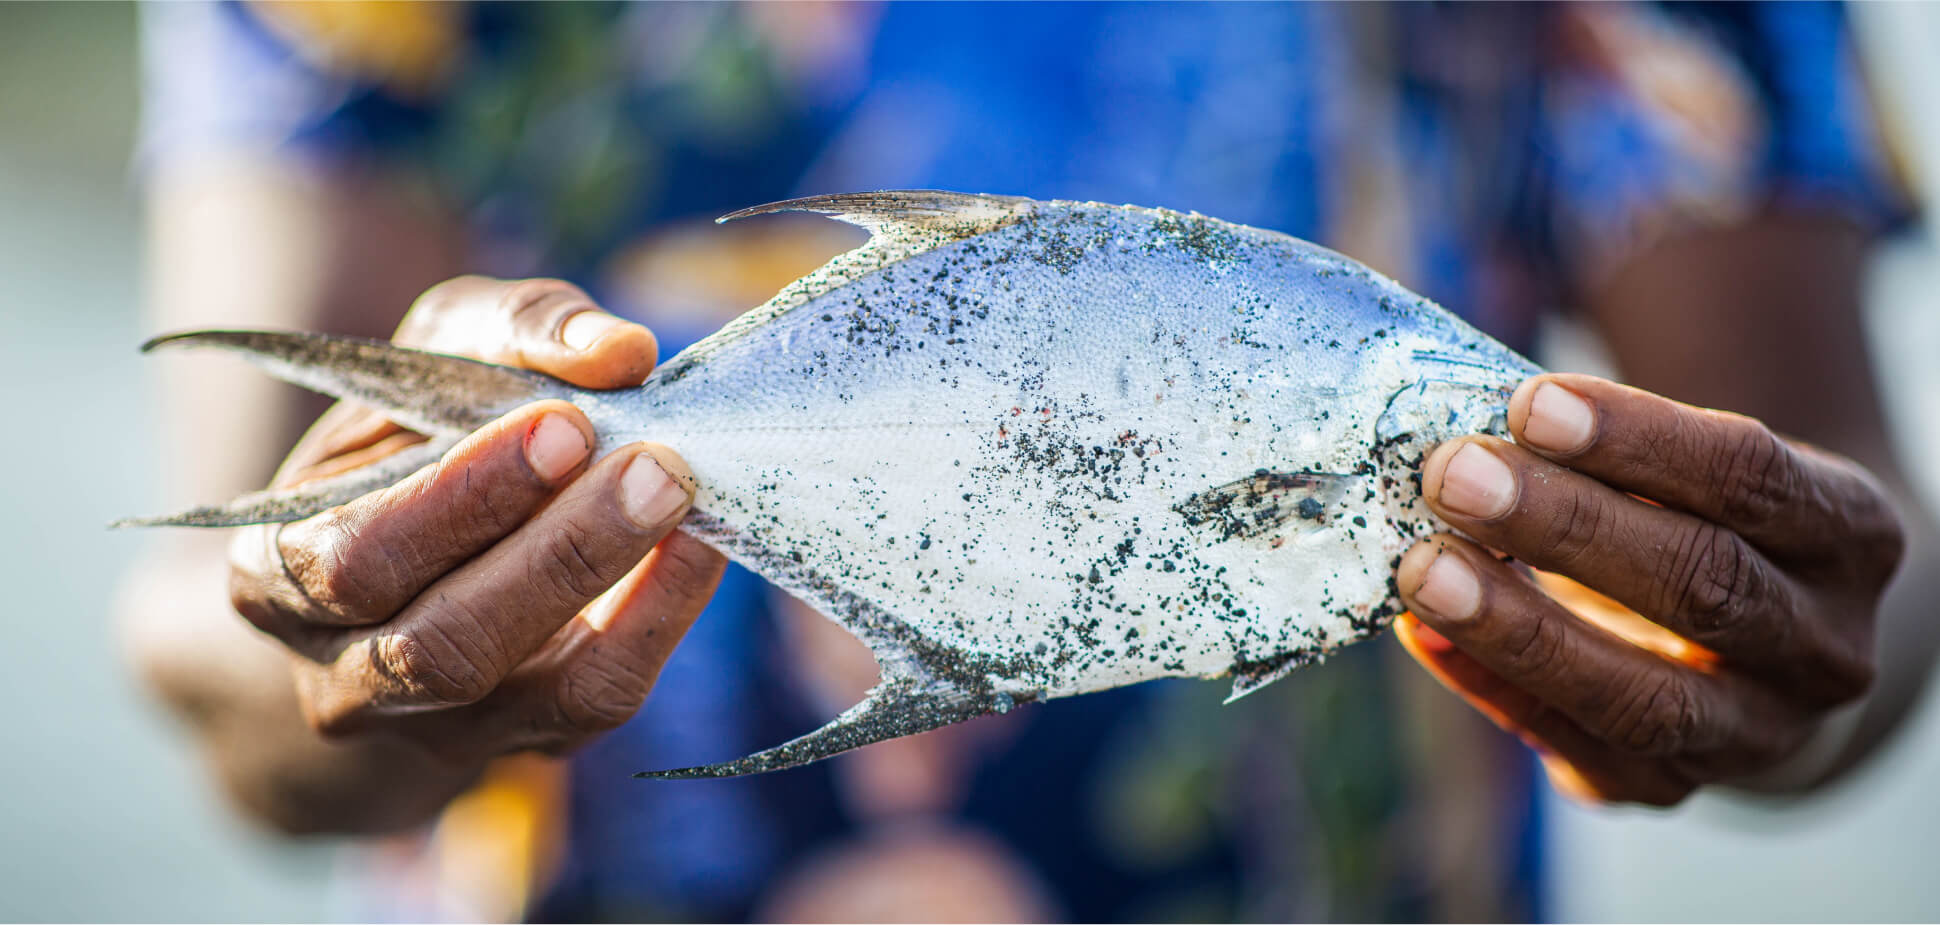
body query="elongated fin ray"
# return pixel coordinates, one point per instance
(428, 392)
(901, 225)
(306, 500)
(891, 709)
(894, 211)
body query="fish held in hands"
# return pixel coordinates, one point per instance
(1021, 449)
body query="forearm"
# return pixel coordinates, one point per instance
(257, 245)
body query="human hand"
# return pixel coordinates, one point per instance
(514, 595)
(1766, 559)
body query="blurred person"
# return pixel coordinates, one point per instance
(1701, 183)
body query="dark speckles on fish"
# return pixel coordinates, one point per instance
(1021, 449)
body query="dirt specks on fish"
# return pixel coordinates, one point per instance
(1027, 450)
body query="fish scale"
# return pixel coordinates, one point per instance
(1023, 450)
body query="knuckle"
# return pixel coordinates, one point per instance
(1656, 716)
(575, 567)
(1853, 679)
(1539, 652)
(486, 505)
(247, 597)
(431, 665)
(1713, 580)
(601, 693)
(329, 711)
(1574, 529)
(1759, 479)
(1847, 676)
(539, 302)
(323, 565)
(1655, 448)
(1886, 536)
(436, 303)
(1876, 528)
(688, 569)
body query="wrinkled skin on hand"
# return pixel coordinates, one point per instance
(1766, 559)
(514, 595)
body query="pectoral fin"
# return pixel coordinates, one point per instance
(1265, 503)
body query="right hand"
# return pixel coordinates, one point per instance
(514, 595)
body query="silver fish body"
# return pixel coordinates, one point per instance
(1027, 450)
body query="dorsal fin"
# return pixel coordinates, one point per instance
(897, 213)
(901, 225)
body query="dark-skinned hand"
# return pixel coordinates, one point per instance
(514, 595)
(1764, 560)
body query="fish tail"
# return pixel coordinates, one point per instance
(894, 708)
(305, 500)
(432, 393)
(444, 397)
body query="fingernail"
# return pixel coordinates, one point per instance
(1478, 484)
(581, 331)
(1560, 421)
(647, 494)
(1449, 589)
(554, 447)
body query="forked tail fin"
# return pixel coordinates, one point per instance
(442, 396)
(306, 500)
(433, 393)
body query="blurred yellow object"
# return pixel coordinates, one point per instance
(405, 46)
(499, 844)
(695, 272)
(1623, 622)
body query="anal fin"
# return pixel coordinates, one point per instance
(896, 707)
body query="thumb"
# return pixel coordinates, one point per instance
(547, 325)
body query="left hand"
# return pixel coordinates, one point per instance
(1765, 558)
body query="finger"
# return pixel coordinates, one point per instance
(460, 638)
(1579, 764)
(595, 673)
(361, 563)
(1696, 578)
(1726, 468)
(611, 658)
(546, 325)
(1632, 699)
(345, 436)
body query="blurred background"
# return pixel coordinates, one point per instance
(108, 818)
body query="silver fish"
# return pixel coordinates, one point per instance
(1021, 449)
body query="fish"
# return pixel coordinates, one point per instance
(1021, 449)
